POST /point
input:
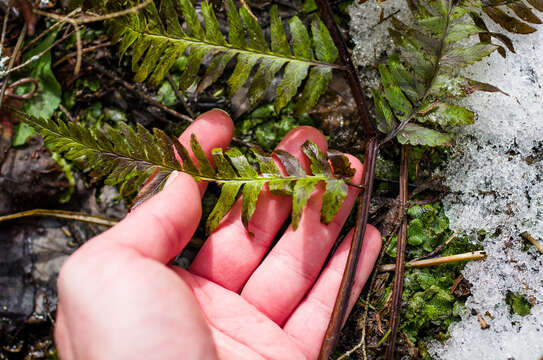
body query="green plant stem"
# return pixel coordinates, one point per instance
(474, 255)
(62, 214)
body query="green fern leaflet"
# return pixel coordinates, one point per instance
(130, 157)
(419, 85)
(157, 38)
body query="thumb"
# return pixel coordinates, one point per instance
(161, 227)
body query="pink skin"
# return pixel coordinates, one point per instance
(118, 298)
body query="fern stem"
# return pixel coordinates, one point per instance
(400, 258)
(417, 106)
(214, 47)
(352, 76)
(340, 307)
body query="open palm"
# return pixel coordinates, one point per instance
(118, 298)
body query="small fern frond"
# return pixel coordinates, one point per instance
(157, 38)
(130, 157)
(494, 9)
(420, 85)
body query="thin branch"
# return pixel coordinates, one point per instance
(400, 259)
(62, 214)
(85, 50)
(345, 56)
(4, 29)
(438, 249)
(11, 62)
(536, 243)
(474, 255)
(89, 19)
(152, 101)
(36, 57)
(340, 308)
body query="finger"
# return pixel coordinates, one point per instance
(309, 322)
(216, 261)
(298, 257)
(228, 348)
(227, 312)
(213, 129)
(162, 226)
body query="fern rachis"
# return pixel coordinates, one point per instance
(138, 157)
(157, 38)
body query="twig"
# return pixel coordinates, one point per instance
(340, 308)
(26, 96)
(474, 255)
(63, 214)
(400, 259)
(48, 30)
(138, 92)
(152, 101)
(11, 62)
(85, 50)
(38, 56)
(536, 243)
(438, 249)
(4, 29)
(89, 19)
(179, 95)
(345, 56)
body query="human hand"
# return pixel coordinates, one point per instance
(119, 298)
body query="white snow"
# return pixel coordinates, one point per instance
(496, 181)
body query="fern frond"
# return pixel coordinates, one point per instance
(128, 157)
(157, 38)
(420, 85)
(497, 11)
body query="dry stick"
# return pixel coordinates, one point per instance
(340, 307)
(49, 29)
(400, 259)
(11, 62)
(63, 214)
(85, 50)
(138, 92)
(529, 237)
(4, 29)
(36, 57)
(85, 20)
(438, 249)
(474, 255)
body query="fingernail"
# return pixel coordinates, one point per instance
(171, 178)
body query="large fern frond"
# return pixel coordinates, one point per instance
(128, 157)
(157, 38)
(419, 87)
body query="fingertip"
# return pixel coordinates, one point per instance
(213, 129)
(295, 138)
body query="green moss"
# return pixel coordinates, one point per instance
(518, 304)
(266, 128)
